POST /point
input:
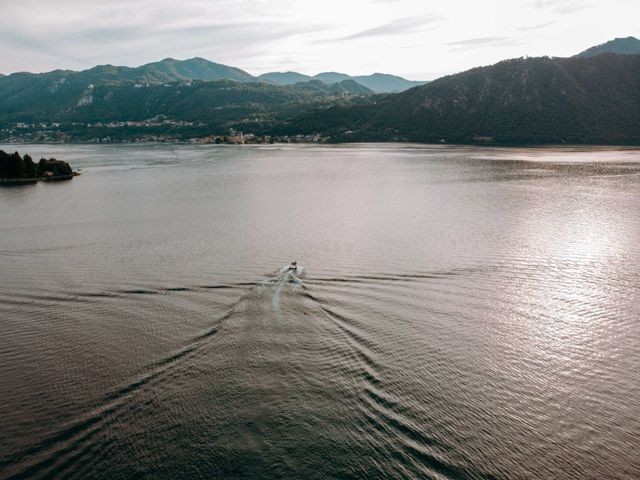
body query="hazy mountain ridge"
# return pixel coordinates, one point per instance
(621, 46)
(284, 78)
(377, 82)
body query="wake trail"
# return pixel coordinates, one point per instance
(58, 448)
(285, 276)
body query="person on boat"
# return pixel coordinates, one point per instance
(293, 266)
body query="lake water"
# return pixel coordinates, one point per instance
(463, 313)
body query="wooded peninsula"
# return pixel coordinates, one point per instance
(16, 170)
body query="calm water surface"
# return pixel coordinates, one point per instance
(464, 313)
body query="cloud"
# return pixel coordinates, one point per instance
(482, 42)
(562, 6)
(357, 36)
(400, 26)
(537, 27)
(136, 40)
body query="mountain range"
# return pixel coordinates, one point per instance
(592, 97)
(198, 107)
(172, 70)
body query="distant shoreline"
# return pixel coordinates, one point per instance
(634, 146)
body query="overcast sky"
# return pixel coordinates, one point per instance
(417, 39)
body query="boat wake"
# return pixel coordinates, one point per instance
(287, 275)
(318, 352)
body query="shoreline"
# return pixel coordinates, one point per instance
(626, 146)
(11, 182)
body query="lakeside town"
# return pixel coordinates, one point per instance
(154, 130)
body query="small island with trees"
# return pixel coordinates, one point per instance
(17, 170)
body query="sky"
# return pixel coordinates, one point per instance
(420, 40)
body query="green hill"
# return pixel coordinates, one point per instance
(214, 106)
(385, 83)
(535, 100)
(49, 96)
(621, 46)
(169, 70)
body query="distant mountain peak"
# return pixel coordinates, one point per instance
(284, 78)
(331, 77)
(196, 68)
(198, 60)
(620, 46)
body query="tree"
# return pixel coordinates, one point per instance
(28, 167)
(10, 165)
